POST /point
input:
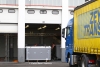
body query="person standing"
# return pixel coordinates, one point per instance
(35, 45)
(53, 51)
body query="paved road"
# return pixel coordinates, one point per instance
(41, 64)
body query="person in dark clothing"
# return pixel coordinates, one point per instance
(35, 45)
(53, 51)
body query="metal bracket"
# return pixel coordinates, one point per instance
(41, 34)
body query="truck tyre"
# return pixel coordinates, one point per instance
(84, 61)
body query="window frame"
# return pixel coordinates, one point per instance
(55, 10)
(11, 9)
(43, 10)
(30, 10)
(67, 31)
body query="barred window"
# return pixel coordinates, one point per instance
(43, 12)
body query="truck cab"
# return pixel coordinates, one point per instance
(71, 57)
(67, 33)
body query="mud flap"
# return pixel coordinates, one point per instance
(98, 63)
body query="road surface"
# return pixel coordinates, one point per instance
(35, 64)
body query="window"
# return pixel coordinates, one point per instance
(1, 10)
(55, 12)
(11, 10)
(30, 11)
(63, 32)
(71, 12)
(43, 12)
(67, 31)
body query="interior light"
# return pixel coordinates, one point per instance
(27, 26)
(39, 28)
(58, 28)
(44, 26)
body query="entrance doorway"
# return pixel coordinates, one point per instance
(9, 47)
(43, 35)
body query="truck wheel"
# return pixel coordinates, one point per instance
(84, 61)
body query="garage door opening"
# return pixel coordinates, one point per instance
(42, 35)
(8, 47)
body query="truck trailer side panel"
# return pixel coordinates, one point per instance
(87, 28)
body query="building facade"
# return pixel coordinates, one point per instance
(15, 13)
